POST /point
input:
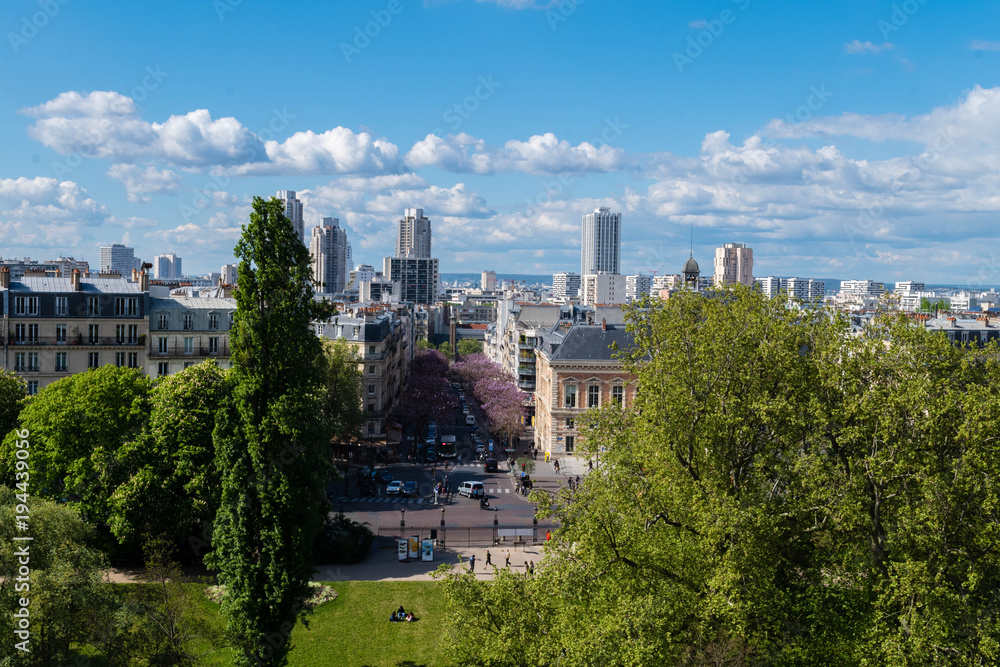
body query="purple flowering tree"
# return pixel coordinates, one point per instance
(427, 395)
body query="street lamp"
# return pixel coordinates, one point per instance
(442, 527)
(402, 517)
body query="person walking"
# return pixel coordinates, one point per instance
(507, 556)
(472, 563)
(489, 558)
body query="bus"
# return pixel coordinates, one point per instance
(449, 448)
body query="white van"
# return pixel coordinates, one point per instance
(472, 490)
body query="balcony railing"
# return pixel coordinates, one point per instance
(79, 340)
(195, 351)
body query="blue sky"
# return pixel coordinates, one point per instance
(854, 139)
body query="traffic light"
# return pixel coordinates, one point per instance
(522, 467)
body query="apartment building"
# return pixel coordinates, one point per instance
(59, 326)
(184, 331)
(383, 341)
(577, 371)
(734, 264)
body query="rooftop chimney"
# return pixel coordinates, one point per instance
(144, 282)
(4, 278)
(75, 280)
(135, 275)
(604, 324)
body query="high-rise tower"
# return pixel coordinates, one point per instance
(601, 249)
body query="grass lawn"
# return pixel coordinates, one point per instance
(354, 630)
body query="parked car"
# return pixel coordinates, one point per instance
(470, 419)
(472, 490)
(394, 488)
(465, 409)
(491, 465)
(409, 488)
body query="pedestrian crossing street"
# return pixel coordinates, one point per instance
(393, 500)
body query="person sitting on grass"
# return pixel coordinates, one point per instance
(401, 616)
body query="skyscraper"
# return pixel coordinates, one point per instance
(565, 285)
(488, 281)
(120, 259)
(166, 267)
(414, 238)
(734, 264)
(293, 211)
(601, 251)
(328, 247)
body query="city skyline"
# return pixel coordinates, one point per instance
(860, 142)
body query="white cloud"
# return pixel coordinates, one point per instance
(540, 154)
(858, 47)
(106, 124)
(140, 183)
(37, 200)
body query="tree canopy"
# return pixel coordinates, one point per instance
(271, 444)
(779, 492)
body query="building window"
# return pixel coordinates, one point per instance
(61, 362)
(188, 321)
(26, 305)
(213, 345)
(133, 360)
(126, 306)
(19, 364)
(618, 394)
(371, 390)
(162, 368)
(32, 361)
(162, 321)
(119, 359)
(120, 333)
(20, 333)
(93, 306)
(570, 394)
(32, 387)
(60, 333)
(569, 443)
(62, 305)
(188, 345)
(93, 333)
(161, 344)
(213, 321)
(93, 360)
(32, 333)
(570, 422)
(371, 370)
(371, 350)
(371, 407)
(133, 333)
(593, 396)
(188, 364)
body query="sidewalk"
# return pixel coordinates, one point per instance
(382, 565)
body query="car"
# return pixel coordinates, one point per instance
(480, 446)
(465, 410)
(409, 488)
(381, 475)
(470, 419)
(455, 385)
(491, 465)
(394, 488)
(472, 490)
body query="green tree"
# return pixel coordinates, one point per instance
(779, 492)
(64, 587)
(171, 484)
(445, 349)
(77, 426)
(270, 442)
(341, 393)
(467, 346)
(13, 391)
